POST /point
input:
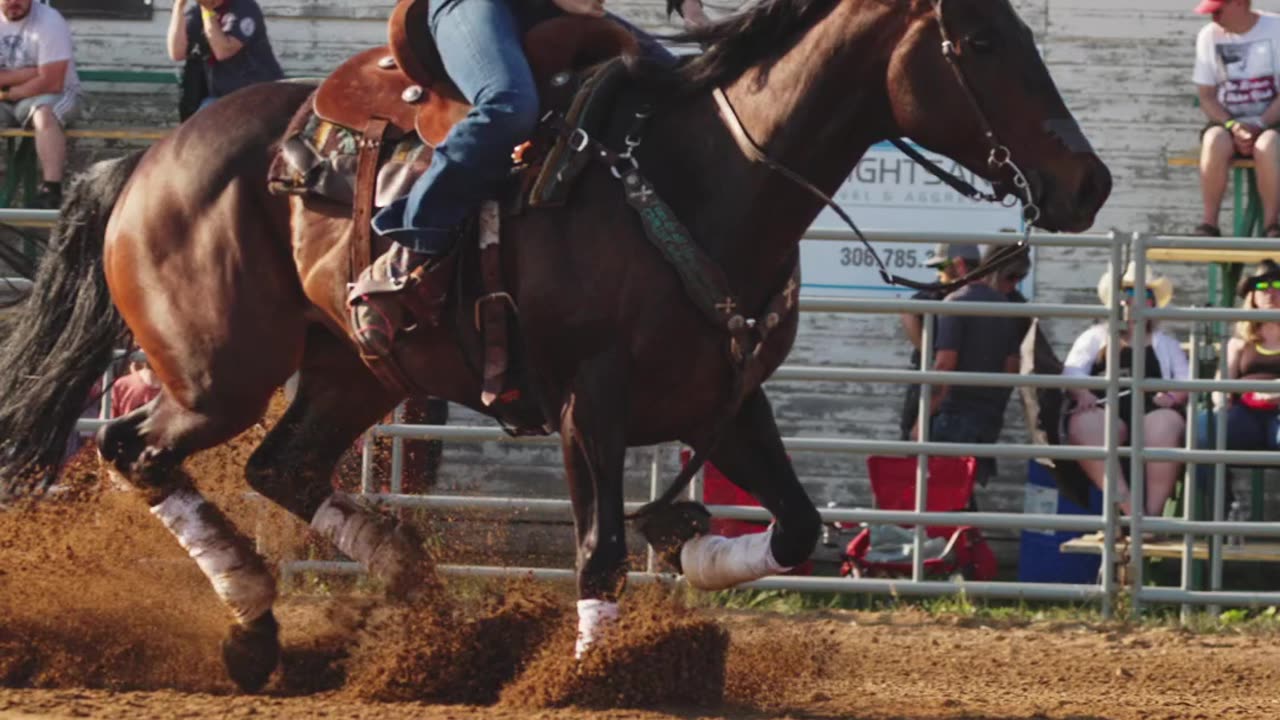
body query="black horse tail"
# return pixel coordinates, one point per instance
(63, 337)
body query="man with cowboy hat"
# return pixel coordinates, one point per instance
(951, 261)
(973, 414)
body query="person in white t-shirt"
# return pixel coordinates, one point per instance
(39, 86)
(1237, 74)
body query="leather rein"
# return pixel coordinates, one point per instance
(999, 159)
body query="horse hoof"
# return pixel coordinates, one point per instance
(251, 652)
(668, 528)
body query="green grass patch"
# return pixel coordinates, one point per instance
(997, 612)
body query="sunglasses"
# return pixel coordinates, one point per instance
(1129, 293)
(1265, 285)
(1014, 276)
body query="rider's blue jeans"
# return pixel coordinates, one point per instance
(479, 42)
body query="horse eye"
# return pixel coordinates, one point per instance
(983, 43)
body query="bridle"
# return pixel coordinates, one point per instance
(999, 159)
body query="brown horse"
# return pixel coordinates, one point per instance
(230, 289)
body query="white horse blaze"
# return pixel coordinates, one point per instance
(714, 562)
(237, 574)
(594, 619)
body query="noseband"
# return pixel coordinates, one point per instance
(999, 159)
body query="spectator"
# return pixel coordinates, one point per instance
(134, 390)
(236, 36)
(39, 87)
(972, 414)
(1163, 423)
(1253, 418)
(950, 262)
(1237, 69)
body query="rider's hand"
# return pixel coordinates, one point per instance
(581, 7)
(693, 14)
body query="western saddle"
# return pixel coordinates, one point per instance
(384, 96)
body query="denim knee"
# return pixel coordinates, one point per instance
(512, 116)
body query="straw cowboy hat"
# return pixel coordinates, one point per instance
(1159, 285)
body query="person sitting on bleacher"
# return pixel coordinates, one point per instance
(1163, 425)
(1237, 74)
(39, 87)
(239, 52)
(1253, 418)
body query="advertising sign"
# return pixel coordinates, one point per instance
(889, 191)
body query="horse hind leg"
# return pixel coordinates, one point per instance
(146, 449)
(336, 400)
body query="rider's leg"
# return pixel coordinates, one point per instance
(479, 43)
(1216, 152)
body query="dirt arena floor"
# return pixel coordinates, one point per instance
(103, 616)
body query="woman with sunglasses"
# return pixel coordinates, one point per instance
(1253, 418)
(1163, 424)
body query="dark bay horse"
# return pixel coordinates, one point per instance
(230, 289)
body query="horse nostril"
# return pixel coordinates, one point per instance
(1095, 186)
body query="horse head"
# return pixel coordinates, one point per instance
(966, 80)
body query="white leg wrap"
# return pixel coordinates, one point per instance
(713, 562)
(356, 533)
(594, 619)
(238, 575)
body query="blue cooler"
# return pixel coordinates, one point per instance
(1039, 559)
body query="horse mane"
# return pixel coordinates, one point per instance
(737, 43)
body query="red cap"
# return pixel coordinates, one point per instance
(1209, 7)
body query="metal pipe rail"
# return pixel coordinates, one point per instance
(561, 509)
(818, 373)
(1082, 240)
(1060, 592)
(883, 306)
(1109, 522)
(1038, 591)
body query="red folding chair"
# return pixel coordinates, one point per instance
(893, 483)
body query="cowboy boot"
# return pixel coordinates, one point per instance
(378, 313)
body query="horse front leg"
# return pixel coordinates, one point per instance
(593, 439)
(752, 456)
